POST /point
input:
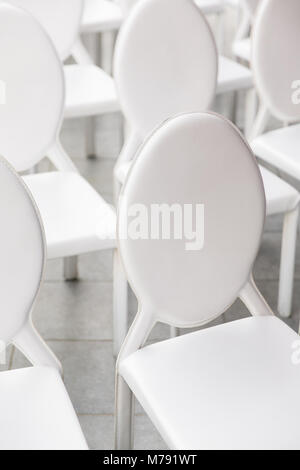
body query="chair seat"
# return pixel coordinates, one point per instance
(36, 412)
(89, 91)
(105, 15)
(100, 16)
(233, 3)
(281, 197)
(210, 7)
(233, 76)
(281, 149)
(229, 387)
(242, 49)
(76, 218)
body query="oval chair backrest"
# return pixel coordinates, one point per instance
(60, 18)
(22, 253)
(190, 220)
(32, 89)
(165, 62)
(276, 58)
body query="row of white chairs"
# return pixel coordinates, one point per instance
(177, 77)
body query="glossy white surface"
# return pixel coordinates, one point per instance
(101, 15)
(89, 92)
(34, 85)
(61, 20)
(281, 197)
(275, 58)
(214, 158)
(107, 15)
(280, 148)
(183, 384)
(230, 387)
(75, 217)
(242, 49)
(233, 76)
(22, 253)
(162, 74)
(36, 412)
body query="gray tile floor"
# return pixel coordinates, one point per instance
(75, 317)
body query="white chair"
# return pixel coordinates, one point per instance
(149, 78)
(276, 66)
(171, 81)
(242, 43)
(105, 17)
(228, 387)
(35, 410)
(89, 90)
(76, 218)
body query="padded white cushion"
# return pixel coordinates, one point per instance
(36, 412)
(280, 196)
(76, 218)
(281, 149)
(242, 49)
(101, 15)
(275, 57)
(168, 71)
(233, 76)
(89, 91)
(229, 387)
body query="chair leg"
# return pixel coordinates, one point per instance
(71, 268)
(124, 416)
(90, 133)
(287, 268)
(107, 50)
(120, 305)
(232, 101)
(250, 111)
(174, 332)
(220, 31)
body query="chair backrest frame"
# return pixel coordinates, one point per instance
(165, 69)
(172, 285)
(275, 39)
(32, 114)
(61, 20)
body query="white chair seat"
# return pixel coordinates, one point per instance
(229, 387)
(233, 76)
(233, 3)
(242, 49)
(281, 197)
(89, 91)
(76, 218)
(210, 7)
(281, 149)
(36, 412)
(105, 15)
(101, 15)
